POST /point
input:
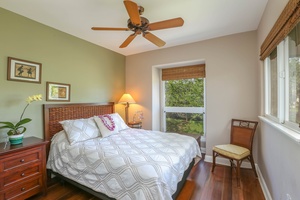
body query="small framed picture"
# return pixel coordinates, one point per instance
(58, 91)
(23, 70)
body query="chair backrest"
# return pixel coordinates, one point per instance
(242, 132)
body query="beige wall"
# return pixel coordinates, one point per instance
(95, 74)
(231, 82)
(278, 157)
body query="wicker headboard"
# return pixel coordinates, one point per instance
(54, 113)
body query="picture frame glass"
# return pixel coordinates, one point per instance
(58, 92)
(22, 70)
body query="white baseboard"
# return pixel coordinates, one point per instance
(247, 165)
(263, 184)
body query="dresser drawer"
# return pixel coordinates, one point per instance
(23, 169)
(16, 176)
(23, 190)
(27, 156)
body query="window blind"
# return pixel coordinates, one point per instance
(287, 20)
(187, 72)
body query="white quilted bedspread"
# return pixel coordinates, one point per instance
(135, 164)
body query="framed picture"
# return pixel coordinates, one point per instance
(58, 91)
(23, 70)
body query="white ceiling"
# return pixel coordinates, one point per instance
(203, 19)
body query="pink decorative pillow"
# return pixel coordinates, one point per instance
(110, 124)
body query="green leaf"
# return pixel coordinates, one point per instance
(24, 129)
(7, 125)
(10, 132)
(23, 121)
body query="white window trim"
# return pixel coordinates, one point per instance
(199, 110)
(267, 85)
(294, 135)
(268, 90)
(282, 120)
(281, 83)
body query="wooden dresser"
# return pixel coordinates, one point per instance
(23, 169)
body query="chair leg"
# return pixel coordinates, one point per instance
(214, 161)
(231, 163)
(252, 164)
(238, 172)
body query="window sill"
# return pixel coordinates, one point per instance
(289, 132)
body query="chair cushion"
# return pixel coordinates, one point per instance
(232, 151)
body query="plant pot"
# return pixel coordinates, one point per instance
(16, 139)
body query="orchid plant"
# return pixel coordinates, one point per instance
(14, 128)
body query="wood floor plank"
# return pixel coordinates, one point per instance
(201, 185)
(187, 190)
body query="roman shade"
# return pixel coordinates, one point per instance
(288, 19)
(186, 72)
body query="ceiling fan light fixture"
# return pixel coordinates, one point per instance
(139, 25)
(141, 10)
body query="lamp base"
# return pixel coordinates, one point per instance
(126, 112)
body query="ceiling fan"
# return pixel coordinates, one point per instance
(140, 25)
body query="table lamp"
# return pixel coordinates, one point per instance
(126, 99)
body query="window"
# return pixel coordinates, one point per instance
(183, 99)
(184, 105)
(273, 85)
(282, 86)
(293, 77)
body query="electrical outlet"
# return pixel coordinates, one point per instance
(288, 197)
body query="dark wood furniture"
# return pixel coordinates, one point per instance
(53, 113)
(135, 125)
(23, 169)
(240, 147)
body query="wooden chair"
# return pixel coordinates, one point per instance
(240, 147)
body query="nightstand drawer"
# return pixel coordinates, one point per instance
(23, 169)
(23, 190)
(32, 155)
(16, 176)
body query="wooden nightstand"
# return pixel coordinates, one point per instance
(23, 169)
(135, 124)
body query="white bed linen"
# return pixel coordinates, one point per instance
(133, 164)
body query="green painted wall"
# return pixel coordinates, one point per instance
(95, 73)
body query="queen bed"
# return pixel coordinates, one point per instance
(113, 161)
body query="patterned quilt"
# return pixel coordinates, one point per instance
(134, 164)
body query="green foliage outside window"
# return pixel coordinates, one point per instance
(184, 93)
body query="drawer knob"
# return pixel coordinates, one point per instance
(22, 189)
(22, 160)
(23, 174)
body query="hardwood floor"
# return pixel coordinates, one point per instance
(221, 185)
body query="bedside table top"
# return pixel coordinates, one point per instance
(28, 142)
(134, 123)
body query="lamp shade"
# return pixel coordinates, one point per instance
(126, 98)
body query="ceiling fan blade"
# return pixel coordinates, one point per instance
(155, 40)
(170, 23)
(133, 12)
(109, 29)
(128, 40)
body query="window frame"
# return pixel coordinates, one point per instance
(282, 86)
(193, 110)
(267, 69)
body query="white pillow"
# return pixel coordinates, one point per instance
(113, 124)
(80, 129)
